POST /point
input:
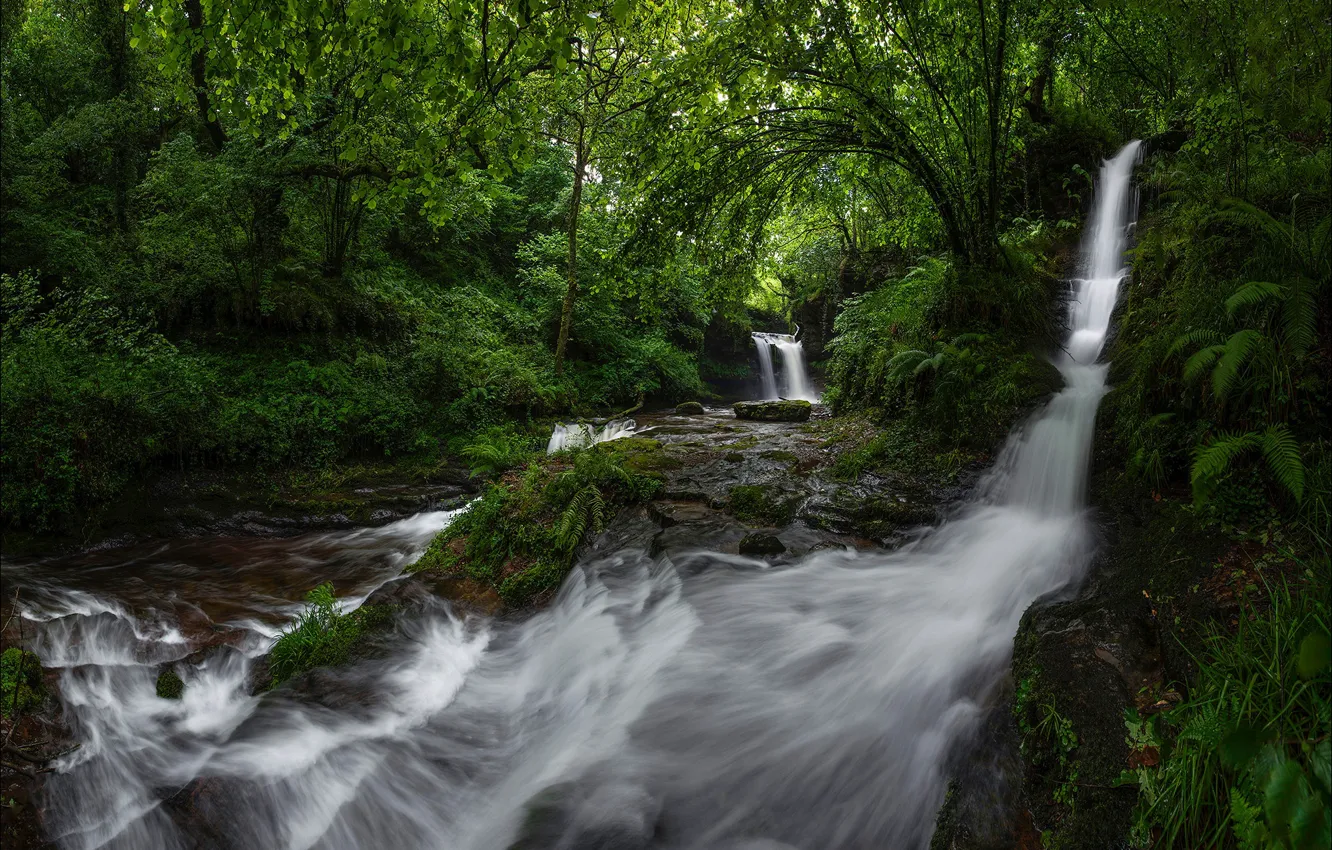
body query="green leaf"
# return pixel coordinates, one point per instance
(1315, 655)
(1285, 790)
(1240, 745)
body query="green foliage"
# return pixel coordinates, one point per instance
(496, 450)
(323, 636)
(21, 687)
(1279, 449)
(1042, 728)
(1245, 760)
(894, 353)
(521, 534)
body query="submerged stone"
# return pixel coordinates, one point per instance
(784, 410)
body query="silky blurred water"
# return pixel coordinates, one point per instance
(722, 703)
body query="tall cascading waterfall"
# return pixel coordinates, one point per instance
(716, 704)
(794, 374)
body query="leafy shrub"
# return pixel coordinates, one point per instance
(497, 449)
(1226, 297)
(21, 686)
(322, 636)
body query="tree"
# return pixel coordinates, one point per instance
(929, 88)
(609, 81)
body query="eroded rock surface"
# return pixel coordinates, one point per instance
(785, 410)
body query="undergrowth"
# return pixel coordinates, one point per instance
(956, 352)
(1245, 759)
(322, 636)
(520, 535)
(21, 686)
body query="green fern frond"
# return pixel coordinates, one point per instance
(1253, 293)
(585, 511)
(1201, 361)
(902, 363)
(1246, 214)
(573, 521)
(1212, 460)
(1299, 314)
(1282, 453)
(931, 364)
(1238, 351)
(1202, 336)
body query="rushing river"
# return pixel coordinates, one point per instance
(720, 703)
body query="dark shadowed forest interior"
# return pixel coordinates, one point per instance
(681, 424)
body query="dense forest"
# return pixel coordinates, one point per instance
(277, 239)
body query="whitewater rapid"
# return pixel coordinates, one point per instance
(711, 702)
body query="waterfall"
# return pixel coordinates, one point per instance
(579, 434)
(794, 375)
(763, 343)
(1047, 468)
(718, 703)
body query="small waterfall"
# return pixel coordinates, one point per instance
(762, 342)
(579, 434)
(794, 375)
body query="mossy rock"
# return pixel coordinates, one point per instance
(779, 455)
(774, 411)
(169, 684)
(762, 505)
(21, 688)
(642, 455)
(689, 408)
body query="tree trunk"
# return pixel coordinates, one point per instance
(575, 201)
(198, 75)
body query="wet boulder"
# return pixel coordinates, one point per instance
(761, 543)
(612, 815)
(689, 408)
(784, 410)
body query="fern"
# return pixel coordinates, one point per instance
(587, 510)
(1203, 336)
(904, 364)
(1211, 461)
(1279, 448)
(1282, 453)
(1238, 351)
(1299, 314)
(1201, 361)
(494, 452)
(1253, 293)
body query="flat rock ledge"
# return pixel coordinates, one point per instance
(773, 411)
